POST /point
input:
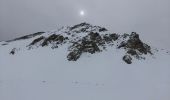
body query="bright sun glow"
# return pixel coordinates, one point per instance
(82, 13)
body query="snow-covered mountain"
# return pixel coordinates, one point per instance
(83, 62)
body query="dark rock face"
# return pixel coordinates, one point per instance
(74, 55)
(135, 43)
(57, 39)
(102, 30)
(78, 49)
(54, 40)
(94, 37)
(134, 46)
(132, 52)
(108, 38)
(89, 44)
(127, 59)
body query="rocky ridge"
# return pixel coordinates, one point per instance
(86, 38)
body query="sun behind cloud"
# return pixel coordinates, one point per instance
(82, 13)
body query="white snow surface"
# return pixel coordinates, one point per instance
(46, 74)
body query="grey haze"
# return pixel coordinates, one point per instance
(150, 18)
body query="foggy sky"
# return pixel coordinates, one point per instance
(150, 18)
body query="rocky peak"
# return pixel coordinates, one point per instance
(91, 39)
(86, 27)
(84, 24)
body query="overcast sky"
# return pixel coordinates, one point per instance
(150, 18)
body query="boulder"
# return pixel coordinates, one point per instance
(127, 59)
(13, 51)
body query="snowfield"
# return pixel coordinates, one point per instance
(46, 74)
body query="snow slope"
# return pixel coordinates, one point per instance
(46, 74)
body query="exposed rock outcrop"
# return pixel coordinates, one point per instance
(127, 59)
(86, 38)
